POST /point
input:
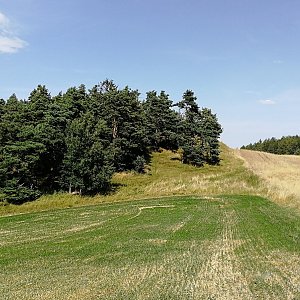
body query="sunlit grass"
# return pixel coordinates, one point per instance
(225, 247)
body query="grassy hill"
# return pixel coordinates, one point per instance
(176, 232)
(166, 176)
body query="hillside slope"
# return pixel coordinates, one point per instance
(165, 176)
(281, 173)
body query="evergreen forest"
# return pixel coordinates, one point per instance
(76, 140)
(289, 145)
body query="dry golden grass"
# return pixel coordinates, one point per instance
(280, 172)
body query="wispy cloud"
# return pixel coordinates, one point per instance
(267, 102)
(9, 41)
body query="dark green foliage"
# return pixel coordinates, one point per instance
(139, 164)
(211, 133)
(51, 133)
(193, 152)
(200, 132)
(196, 131)
(76, 140)
(161, 120)
(18, 177)
(285, 145)
(38, 105)
(88, 162)
(73, 102)
(124, 116)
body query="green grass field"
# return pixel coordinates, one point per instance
(187, 247)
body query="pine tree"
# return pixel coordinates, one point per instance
(200, 132)
(122, 111)
(192, 134)
(211, 134)
(161, 121)
(88, 163)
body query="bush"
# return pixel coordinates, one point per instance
(139, 164)
(19, 195)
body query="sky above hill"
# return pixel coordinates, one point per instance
(240, 57)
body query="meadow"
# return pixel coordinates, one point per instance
(226, 247)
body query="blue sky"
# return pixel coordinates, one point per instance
(240, 57)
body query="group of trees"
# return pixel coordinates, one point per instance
(76, 140)
(285, 145)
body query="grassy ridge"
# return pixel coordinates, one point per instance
(166, 176)
(230, 247)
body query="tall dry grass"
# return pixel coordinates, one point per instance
(281, 174)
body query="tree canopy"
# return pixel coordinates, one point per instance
(76, 140)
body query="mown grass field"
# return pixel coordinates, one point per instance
(188, 247)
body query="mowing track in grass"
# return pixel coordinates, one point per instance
(229, 247)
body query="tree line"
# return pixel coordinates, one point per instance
(76, 140)
(285, 145)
